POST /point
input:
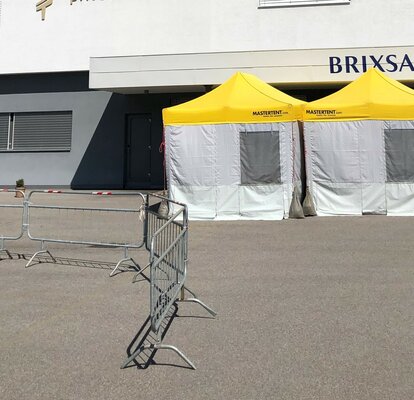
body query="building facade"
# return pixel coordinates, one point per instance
(83, 82)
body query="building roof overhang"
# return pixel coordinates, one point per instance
(197, 72)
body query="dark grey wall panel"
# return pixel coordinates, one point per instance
(45, 82)
(56, 168)
(96, 159)
(153, 104)
(102, 162)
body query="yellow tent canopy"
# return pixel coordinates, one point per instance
(243, 98)
(372, 96)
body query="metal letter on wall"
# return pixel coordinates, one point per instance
(42, 5)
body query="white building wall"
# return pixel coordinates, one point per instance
(71, 34)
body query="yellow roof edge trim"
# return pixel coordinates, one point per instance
(268, 121)
(359, 119)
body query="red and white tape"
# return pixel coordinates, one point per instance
(102, 193)
(52, 191)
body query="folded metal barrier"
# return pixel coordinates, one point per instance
(168, 269)
(154, 222)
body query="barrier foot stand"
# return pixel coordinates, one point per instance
(8, 253)
(157, 347)
(36, 254)
(194, 299)
(3, 249)
(140, 273)
(136, 266)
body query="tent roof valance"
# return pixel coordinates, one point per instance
(243, 98)
(372, 96)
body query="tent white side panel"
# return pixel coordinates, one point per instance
(201, 200)
(336, 198)
(372, 152)
(333, 147)
(227, 150)
(373, 170)
(349, 198)
(227, 171)
(400, 199)
(191, 153)
(204, 171)
(262, 202)
(374, 198)
(296, 174)
(345, 164)
(297, 152)
(287, 135)
(228, 202)
(190, 164)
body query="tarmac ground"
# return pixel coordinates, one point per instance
(321, 308)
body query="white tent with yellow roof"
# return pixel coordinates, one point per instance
(235, 152)
(359, 145)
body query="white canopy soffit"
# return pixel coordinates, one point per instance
(286, 68)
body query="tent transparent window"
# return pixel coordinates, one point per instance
(259, 158)
(399, 153)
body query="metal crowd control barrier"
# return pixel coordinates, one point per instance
(167, 237)
(85, 221)
(13, 212)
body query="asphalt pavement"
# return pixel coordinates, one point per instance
(321, 308)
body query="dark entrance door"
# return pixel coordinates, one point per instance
(138, 151)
